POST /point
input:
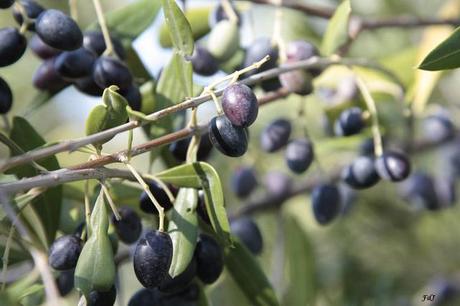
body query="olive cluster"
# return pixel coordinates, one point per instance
(69, 56)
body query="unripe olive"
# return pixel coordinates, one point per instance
(224, 40)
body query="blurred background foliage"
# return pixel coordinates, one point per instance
(382, 251)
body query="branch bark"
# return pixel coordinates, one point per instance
(72, 145)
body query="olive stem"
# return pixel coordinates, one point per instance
(6, 122)
(228, 8)
(373, 113)
(72, 145)
(25, 18)
(110, 200)
(162, 185)
(104, 28)
(161, 212)
(73, 9)
(277, 38)
(130, 144)
(6, 255)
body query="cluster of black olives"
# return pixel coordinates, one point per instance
(69, 56)
(228, 132)
(65, 252)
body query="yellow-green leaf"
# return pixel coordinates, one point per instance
(337, 30)
(179, 28)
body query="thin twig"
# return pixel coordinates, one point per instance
(39, 258)
(104, 28)
(6, 255)
(110, 200)
(72, 145)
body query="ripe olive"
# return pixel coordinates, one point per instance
(361, 173)
(248, 232)
(438, 128)
(350, 122)
(181, 281)
(33, 10)
(152, 258)
(41, 49)
(88, 86)
(65, 282)
(46, 77)
(228, 139)
(179, 148)
(240, 105)
(243, 181)
(102, 298)
(299, 155)
(203, 62)
(64, 252)
(275, 135)
(111, 71)
(75, 64)
(159, 194)
(419, 189)
(132, 94)
(4, 4)
(6, 97)
(13, 46)
(326, 203)
(393, 166)
(258, 49)
(58, 30)
(94, 41)
(210, 259)
(129, 228)
(300, 50)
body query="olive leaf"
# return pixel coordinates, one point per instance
(247, 273)
(131, 20)
(179, 28)
(95, 267)
(48, 204)
(109, 115)
(445, 56)
(200, 174)
(197, 18)
(337, 30)
(183, 230)
(301, 266)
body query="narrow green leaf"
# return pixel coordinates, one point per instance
(214, 198)
(131, 20)
(203, 175)
(445, 56)
(247, 273)
(182, 176)
(337, 30)
(300, 262)
(95, 267)
(183, 229)
(48, 204)
(198, 18)
(179, 28)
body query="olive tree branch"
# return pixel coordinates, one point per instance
(72, 145)
(94, 168)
